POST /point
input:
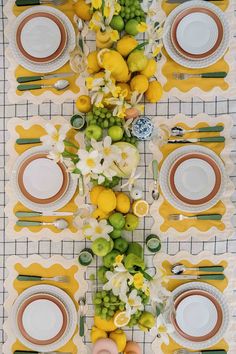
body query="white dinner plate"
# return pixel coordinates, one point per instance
(220, 299)
(59, 61)
(197, 33)
(196, 315)
(197, 63)
(42, 319)
(194, 179)
(28, 200)
(43, 178)
(53, 314)
(172, 197)
(40, 37)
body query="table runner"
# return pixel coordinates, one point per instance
(166, 108)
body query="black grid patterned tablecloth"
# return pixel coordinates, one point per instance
(70, 249)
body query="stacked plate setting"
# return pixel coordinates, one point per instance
(192, 178)
(44, 318)
(196, 34)
(42, 39)
(200, 316)
(40, 183)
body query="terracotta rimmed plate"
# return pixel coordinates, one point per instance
(42, 319)
(42, 180)
(198, 315)
(197, 33)
(41, 37)
(195, 179)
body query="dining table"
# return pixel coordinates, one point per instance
(165, 109)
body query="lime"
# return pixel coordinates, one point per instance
(153, 243)
(117, 220)
(117, 23)
(86, 256)
(131, 27)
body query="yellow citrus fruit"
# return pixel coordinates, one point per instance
(121, 319)
(126, 44)
(105, 325)
(97, 333)
(113, 61)
(140, 208)
(126, 89)
(94, 193)
(99, 214)
(139, 83)
(107, 201)
(103, 39)
(119, 337)
(83, 103)
(92, 66)
(122, 203)
(83, 10)
(150, 68)
(154, 92)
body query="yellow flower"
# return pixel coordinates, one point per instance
(142, 27)
(114, 35)
(147, 291)
(117, 8)
(99, 105)
(138, 280)
(89, 83)
(106, 11)
(119, 259)
(96, 4)
(156, 51)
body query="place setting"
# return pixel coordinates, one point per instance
(198, 48)
(199, 316)
(44, 312)
(44, 198)
(192, 180)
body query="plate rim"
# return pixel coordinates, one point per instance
(164, 181)
(222, 300)
(215, 189)
(63, 189)
(41, 207)
(36, 297)
(176, 23)
(61, 46)
(219, 310)
(69, 305)
(195, 64)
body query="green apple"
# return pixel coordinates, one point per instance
(109, 259)
(131, 222)
(101, 247)
(131, 27)
(93, 132)
(116, 133)
(146, 321)
(117, 220)
(121, 245)
(117, 23)
(125, 171)
(115, 234)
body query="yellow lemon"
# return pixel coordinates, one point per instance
(107, 201)
(92, 66)
(83, 10)
(97, 333)
(99, 214)
(122, 203)
(139, 83)
(140, 208)
(113, 61)
(94, 193)
(125, 88)
(103, 39)
(105, 325)
(126, 44)
(154, 92)
(150, 68)
(119, 337)
(83, 103)
(121, 319)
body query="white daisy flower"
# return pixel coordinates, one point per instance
(133, 303)
(164, 329)
(98, 229)
(89, 162)
(118, 281)
(127, 157)
(108, 151)
(55, 137)
(132, 180)
(56, 154)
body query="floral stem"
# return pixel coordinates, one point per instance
(68, 143)
(69, 154)
(146, 275)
